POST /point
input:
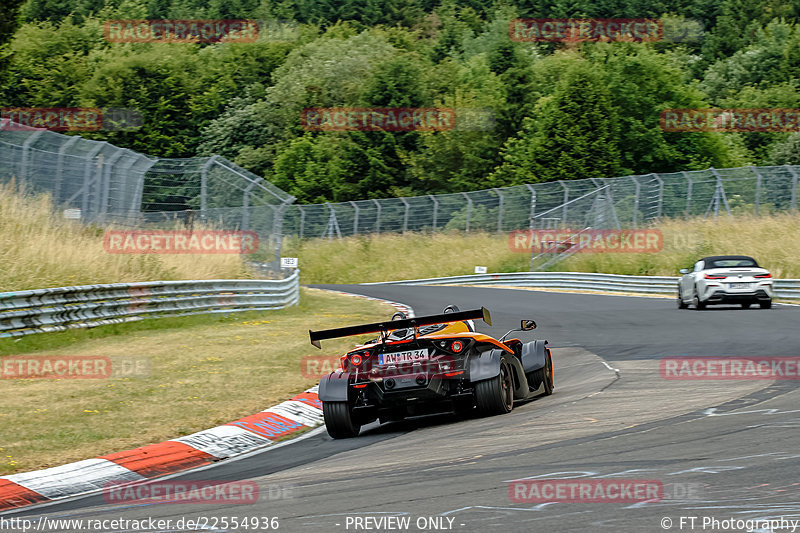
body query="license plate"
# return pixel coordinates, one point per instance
(408, 356)
(740, 285)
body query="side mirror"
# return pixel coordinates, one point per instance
(528, 325)
(684, 271)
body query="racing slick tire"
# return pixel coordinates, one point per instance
(495, 396)
(339, 420)
(745, 305)
(765, 304)
(545, 375)
(696, 300)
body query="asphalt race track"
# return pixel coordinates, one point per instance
(724, 450)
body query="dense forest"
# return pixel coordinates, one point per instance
(560, 110)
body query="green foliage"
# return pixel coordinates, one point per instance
(560, 111)
(573, 134)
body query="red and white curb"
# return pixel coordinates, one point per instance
(198, 449)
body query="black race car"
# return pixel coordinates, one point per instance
(430, 364)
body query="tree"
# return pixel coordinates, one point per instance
(9, 22)
(573, 136)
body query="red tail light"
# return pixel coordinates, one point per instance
(709, 276)
(767, 275)
(357, 358)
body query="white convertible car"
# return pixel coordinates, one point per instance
(725, 279)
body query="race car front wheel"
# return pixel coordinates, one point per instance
(495, 396)
(339, 420)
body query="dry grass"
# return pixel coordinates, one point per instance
(200, 377)
(773, 240)
(38, 249)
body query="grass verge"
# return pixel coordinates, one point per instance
(41, 250)
(773, 240)
(204, 371)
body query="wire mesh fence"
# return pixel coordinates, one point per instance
(623, 202)
(104, 184)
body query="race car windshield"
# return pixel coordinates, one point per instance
(732, 263)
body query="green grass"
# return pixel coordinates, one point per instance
(204, 371)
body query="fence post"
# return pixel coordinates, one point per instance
(499, 210)
(469, 211)
(355, 218)
(533, 204)
(566, 199)
(793, 205)
(204, 185)
(302, 220)
(378, 217)
(87, 173)
(26, 148)
(688, 193)
(637, 192)
(758, 189)
(405, 215)
(60, 167)
(660, 208)
(435, 209)
(246, 204)
(106, 182)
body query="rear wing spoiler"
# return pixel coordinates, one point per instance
(383, 327)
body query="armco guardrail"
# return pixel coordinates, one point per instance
(785, 289)
(62, 308)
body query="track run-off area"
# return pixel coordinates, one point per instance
(723, 450)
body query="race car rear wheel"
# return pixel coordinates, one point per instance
(495, 396)
(765, 304)
(545, 375)
(681, 303)
(698, 304)
(339, 420)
